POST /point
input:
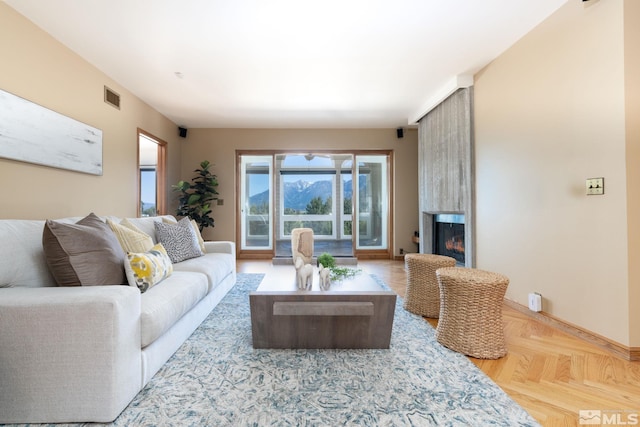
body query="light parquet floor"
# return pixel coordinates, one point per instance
(551, 374)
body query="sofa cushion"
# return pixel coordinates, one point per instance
(147, 269)
(216, 266)
(130, 237)
(86, 253)
(179, 240)
(165, 303)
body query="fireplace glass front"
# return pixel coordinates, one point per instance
(448, 236)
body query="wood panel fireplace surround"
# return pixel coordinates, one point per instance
(446, 179)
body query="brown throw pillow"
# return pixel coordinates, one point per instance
(86, 253)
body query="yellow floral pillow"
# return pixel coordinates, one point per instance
(147, 269)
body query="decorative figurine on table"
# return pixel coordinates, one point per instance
(304, 274)
(324, 275)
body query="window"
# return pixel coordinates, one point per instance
(343, 196)
(308, 189)
(151, 175)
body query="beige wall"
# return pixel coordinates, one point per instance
(550, 113)
(36, 67)
(219, 147)
(632, 103)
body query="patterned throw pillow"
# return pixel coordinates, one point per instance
(196, 230)
(130, 237)
(179, 240)
(147, 269)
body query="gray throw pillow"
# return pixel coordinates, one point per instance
(179, 240)
(86, 253)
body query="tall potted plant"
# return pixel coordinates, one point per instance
(196, 196)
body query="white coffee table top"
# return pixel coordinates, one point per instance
(282, 278)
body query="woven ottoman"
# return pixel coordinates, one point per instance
(471, 312)
(422, 294)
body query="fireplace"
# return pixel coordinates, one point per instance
(448, 236)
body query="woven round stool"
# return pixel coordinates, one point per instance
(471, 312)
(422, 295)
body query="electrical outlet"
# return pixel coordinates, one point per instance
(535, 302)
(595, 186)
(220, 202)
(401, 251)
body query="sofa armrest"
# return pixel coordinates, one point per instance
(68, 354)
(224, 247)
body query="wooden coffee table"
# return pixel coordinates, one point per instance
(355, 313)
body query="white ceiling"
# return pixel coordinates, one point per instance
(287, 63)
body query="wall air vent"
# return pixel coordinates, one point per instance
(111, 98)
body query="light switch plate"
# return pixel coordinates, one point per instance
(595, 186)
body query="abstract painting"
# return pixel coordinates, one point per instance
(34, 134)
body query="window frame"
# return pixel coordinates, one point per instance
(161, 173)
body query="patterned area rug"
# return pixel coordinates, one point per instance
(217, 379)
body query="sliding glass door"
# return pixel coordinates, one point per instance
(372, 209)
(256, 213)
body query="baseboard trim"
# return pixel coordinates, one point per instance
(627, 353)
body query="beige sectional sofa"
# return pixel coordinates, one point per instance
(81, 353)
